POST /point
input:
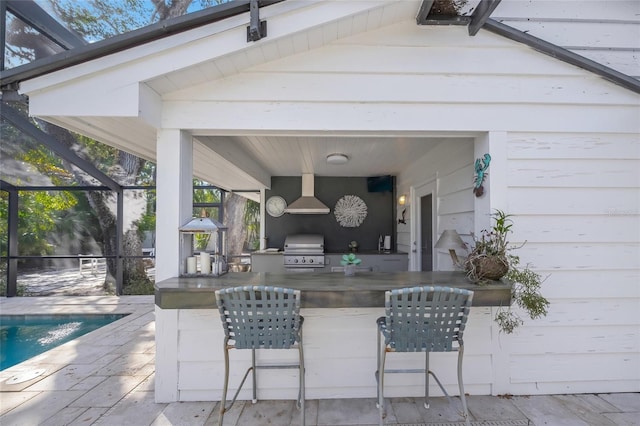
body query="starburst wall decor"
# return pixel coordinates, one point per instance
(350, 211)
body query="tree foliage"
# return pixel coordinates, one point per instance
(99, 19)
(38, 216)
(45, 218)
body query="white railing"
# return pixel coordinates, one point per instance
(90, 264)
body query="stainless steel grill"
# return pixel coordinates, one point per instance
(304, 251)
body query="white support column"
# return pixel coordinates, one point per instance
(174, 198)
(495, 185)
(494, 197)
(166, 377)
(174, 207)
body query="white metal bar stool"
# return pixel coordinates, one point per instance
(260, 317)
(423, 319)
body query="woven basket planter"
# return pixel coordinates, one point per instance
(487, 267)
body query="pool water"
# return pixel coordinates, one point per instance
(25, 336)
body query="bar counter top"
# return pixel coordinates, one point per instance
(323, 290)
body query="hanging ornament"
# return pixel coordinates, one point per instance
(481, 165)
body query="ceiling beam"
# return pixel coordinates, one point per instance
(23, 124)
(563, 54)
(483, 11)
(229, 152)
(34, 15)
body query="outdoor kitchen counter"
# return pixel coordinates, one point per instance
(339, 332)
(323, 290)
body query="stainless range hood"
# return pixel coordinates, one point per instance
(308, 203)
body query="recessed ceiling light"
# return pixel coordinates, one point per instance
(337, 159)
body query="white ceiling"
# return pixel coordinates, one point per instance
(368, 156)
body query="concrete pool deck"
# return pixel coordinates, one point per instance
(106, 377)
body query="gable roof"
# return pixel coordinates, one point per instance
(475, 14)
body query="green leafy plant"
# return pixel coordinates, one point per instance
(350, 259)
(525, 292)
(489, 258)
(492, 253)
(202, 241)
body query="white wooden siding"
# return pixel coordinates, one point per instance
(606, 32)
(339, 361)
(440, 80)
(450, 164)
(576, 198)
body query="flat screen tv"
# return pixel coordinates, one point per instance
(380, 183)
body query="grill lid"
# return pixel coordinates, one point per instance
(304, 243)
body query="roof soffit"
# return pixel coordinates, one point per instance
(289, 35)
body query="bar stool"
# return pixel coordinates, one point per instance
(260, 317)
(423, 319)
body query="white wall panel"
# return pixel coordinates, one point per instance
(315, 118)
(574, 145)
(589, 313)
(456, 181)
(455, 203)
(578, 256)
(626, 62)
(534, 339)
(397, 87)
(574, 201)
(575, 367)
(591, 284)
(568, 10)
(564, 33)
(603, 228)
(561, 172)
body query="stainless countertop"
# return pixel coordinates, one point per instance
(323, 290)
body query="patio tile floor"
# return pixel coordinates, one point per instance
(106, 378)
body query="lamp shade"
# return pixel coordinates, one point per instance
(202, 225)
(450, 239)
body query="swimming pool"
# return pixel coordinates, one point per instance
(25, 336)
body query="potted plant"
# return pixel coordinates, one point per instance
(492, 258)
(489, 258)
(350, 262)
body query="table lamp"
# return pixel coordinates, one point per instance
(450, 239)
